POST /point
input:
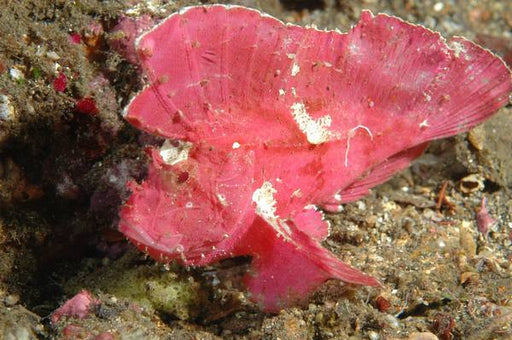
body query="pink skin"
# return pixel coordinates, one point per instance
(316, 118)
(77, 307)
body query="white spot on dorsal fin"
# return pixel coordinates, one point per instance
(235, 145)
(297, 193)
(458, 48)
(424, 124)
(222, 199)
(316, 131)
(311, 207)
(295, 69)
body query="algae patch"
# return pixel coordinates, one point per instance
(152, 287)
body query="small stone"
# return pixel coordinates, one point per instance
(6, 108)
(372, 220)
(53, 55)
(382, 303)
(11, 299)
(438, 7)
(422, 336)
(468, 277)
(466, 239)
(16, 74)
(372, 335)
(319, 318)
(19, 333)
(392, 321)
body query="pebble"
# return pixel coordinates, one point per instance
(16, 74)
(20, 333)
(6, 108)
(11, 299)
(372, 335)
(422, 336)
(466, 240)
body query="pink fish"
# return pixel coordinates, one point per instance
(266, 123)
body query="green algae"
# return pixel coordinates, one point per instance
(171, 291)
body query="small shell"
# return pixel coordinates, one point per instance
(472, 183)
(476, 138)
